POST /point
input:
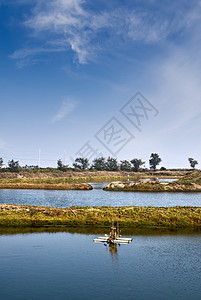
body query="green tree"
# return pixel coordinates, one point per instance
(154, 160)
(112, 164)
(99, 164)
(1, 162)
(125, 165)
(61, 166)
(137, 162)
(81, 163)
(13, 166)
(192, 162)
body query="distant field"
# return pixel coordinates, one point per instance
(89, 175)
(61, 180)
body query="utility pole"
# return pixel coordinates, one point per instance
(64, 158)
(39, 158)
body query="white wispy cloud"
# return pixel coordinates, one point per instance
(65, 19)
(177, 88)
(67, 106)
(29, 56)
(83, 30)
(26, 52)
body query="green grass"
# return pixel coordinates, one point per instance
(191, 177)
(35, 216)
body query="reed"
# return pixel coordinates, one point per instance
(37, 216)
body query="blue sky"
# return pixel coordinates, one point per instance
(67, 67)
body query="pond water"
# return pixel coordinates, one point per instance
(97, 197)
(63, 265)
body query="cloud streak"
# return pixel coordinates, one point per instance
(30, 56)
(176, 86)
(87, 32)
(66, 108)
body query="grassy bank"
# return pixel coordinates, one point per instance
(191, 177)
(36, 216)
(45, 185)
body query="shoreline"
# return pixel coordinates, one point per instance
(133, 231)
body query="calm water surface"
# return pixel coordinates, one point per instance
(97, 197)
(70, 266)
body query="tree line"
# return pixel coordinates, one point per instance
(99, 164)
(111, 164)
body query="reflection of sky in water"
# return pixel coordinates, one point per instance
(71, 266)
(97, 197)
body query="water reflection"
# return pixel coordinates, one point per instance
(68, 265)
(97, 230)
(114, 252)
